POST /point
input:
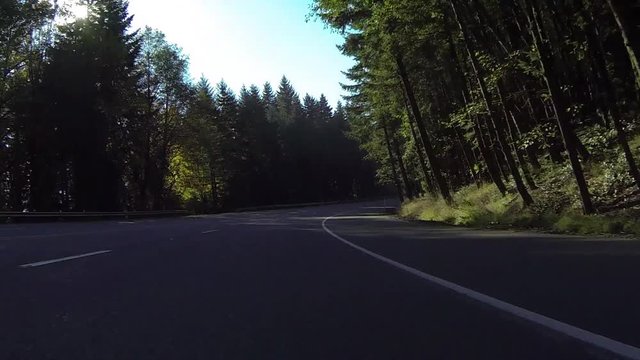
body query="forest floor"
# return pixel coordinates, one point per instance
(557, 206)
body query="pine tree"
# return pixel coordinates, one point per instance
(92, 78)
(29, 154)
(268, 99)
(287, 103)
(163, 89)
(324, 110)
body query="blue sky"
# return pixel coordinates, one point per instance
(251, 41)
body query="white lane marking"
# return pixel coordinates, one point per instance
(47, 262)
(598, 341)
(76, 233)
(209, 231)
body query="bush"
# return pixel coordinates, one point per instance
(471, 206)
(612, 178)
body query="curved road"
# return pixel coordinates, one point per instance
(279, 285)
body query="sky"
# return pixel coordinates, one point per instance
(250, 42)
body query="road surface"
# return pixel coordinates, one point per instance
(332, 282)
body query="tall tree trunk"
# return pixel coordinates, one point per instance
(392, 163)
(553, 145)
(423, 164)
(457, 74)
(416, 142)
(489, 159)
(504, 147)
(610, 103)
(501, 161)
(624, 144)
(488, 33)
(579, 145)
(531, 150)
(621, 9)
(424, 136)
(466, 157)
(513, 136)
(558, 104)
(403, 170)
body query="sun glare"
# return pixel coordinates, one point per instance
(78, 11)
(72, 10)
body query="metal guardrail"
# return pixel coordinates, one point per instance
(309, 204)
(88, 215)
(98, 215)
(285, 206)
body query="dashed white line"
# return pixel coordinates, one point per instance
(53, 261)
(209, 231)
(587, 337)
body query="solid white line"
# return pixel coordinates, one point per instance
(598, 341)
(47, 262)
(209, 231)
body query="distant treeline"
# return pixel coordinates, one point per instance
(94, 116)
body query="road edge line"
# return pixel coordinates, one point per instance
(587, 337)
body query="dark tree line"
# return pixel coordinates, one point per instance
(447, 93)
(95, 116)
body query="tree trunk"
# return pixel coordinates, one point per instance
(423, 164)
(416, 142)
(394, 172)
(610, 101)
(424, 136)
(466, 157)
(559, 107)
(555, 146)
(520, 186)
(621, 9)
(457, 74)
(582, 150)
(624, 144)
(531, 150)
(513, 136)
(403, 170)
(489, 159)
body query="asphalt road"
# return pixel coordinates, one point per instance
(277, 285)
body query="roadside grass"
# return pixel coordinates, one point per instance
(472, 206)
(556, 207)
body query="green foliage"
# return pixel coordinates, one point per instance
(598, 138)
(188, 178)
(492, 83)
(443, 94)
(585, 225)
(96, 116)
(472, 206)
(613, 178)
(485, 207)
